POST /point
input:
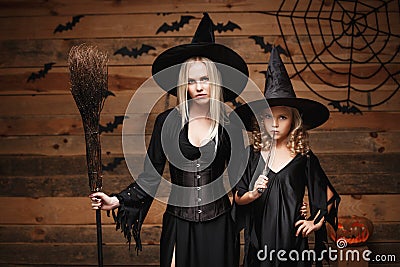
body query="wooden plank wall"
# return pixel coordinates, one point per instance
(46, 217)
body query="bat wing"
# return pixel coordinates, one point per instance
(267, 48)
(118, 120)
(112, 125)
(47, 67)
(165, 28)
(230, 26)
(336, 105)
(145, 49)
(184, 20)
(345, 108)
(76, 19)
(282, 51)
(103, 129)
(175, 25)
(69, 25)
(59, 28)
(112, 165)
(260, 41)
(32, 77)
(41, 73)
(107, 93)
(354, 110)
(124, 51)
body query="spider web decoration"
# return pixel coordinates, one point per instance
(351, 46)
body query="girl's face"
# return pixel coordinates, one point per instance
(279, 123)
(198, 82)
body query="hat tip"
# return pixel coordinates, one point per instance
(205, 30)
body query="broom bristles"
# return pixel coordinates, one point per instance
(88, 70)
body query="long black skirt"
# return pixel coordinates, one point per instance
(199, 244)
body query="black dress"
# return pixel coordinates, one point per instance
(270, 220)
(202, 235)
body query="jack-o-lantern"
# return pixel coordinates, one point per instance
(354, 229)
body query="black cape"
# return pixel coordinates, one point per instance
(269, 221)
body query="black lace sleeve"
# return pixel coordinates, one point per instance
(317, 184)
(134, 206)
(136, 199)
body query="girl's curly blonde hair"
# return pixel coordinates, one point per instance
(298, 137)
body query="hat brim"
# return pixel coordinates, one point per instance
(312, 112)
(166, 66)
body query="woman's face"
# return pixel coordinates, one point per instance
(198, 82)
(279, 123)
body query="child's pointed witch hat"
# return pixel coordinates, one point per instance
(279, 92)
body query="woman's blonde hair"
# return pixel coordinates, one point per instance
(298, 136)
(217, 111)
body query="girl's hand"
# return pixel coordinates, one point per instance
(103, 201)
(261, 183)
(307, 227)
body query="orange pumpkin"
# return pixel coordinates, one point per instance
(354, 229)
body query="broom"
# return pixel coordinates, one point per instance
(88, 73)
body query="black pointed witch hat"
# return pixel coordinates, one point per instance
(166, 66)
(279, 92)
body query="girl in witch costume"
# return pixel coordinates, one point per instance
(280, 167)
(193, 137)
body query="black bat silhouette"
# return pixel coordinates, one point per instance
(134, 52)
(69, 25)
(110, 126)
(40, 73)
(230, 26)
(345, 108)
(175, 25)
(267, 46)
(112, 165)
(107, 93)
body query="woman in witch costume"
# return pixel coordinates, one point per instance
(280, 167)
(193, 137)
